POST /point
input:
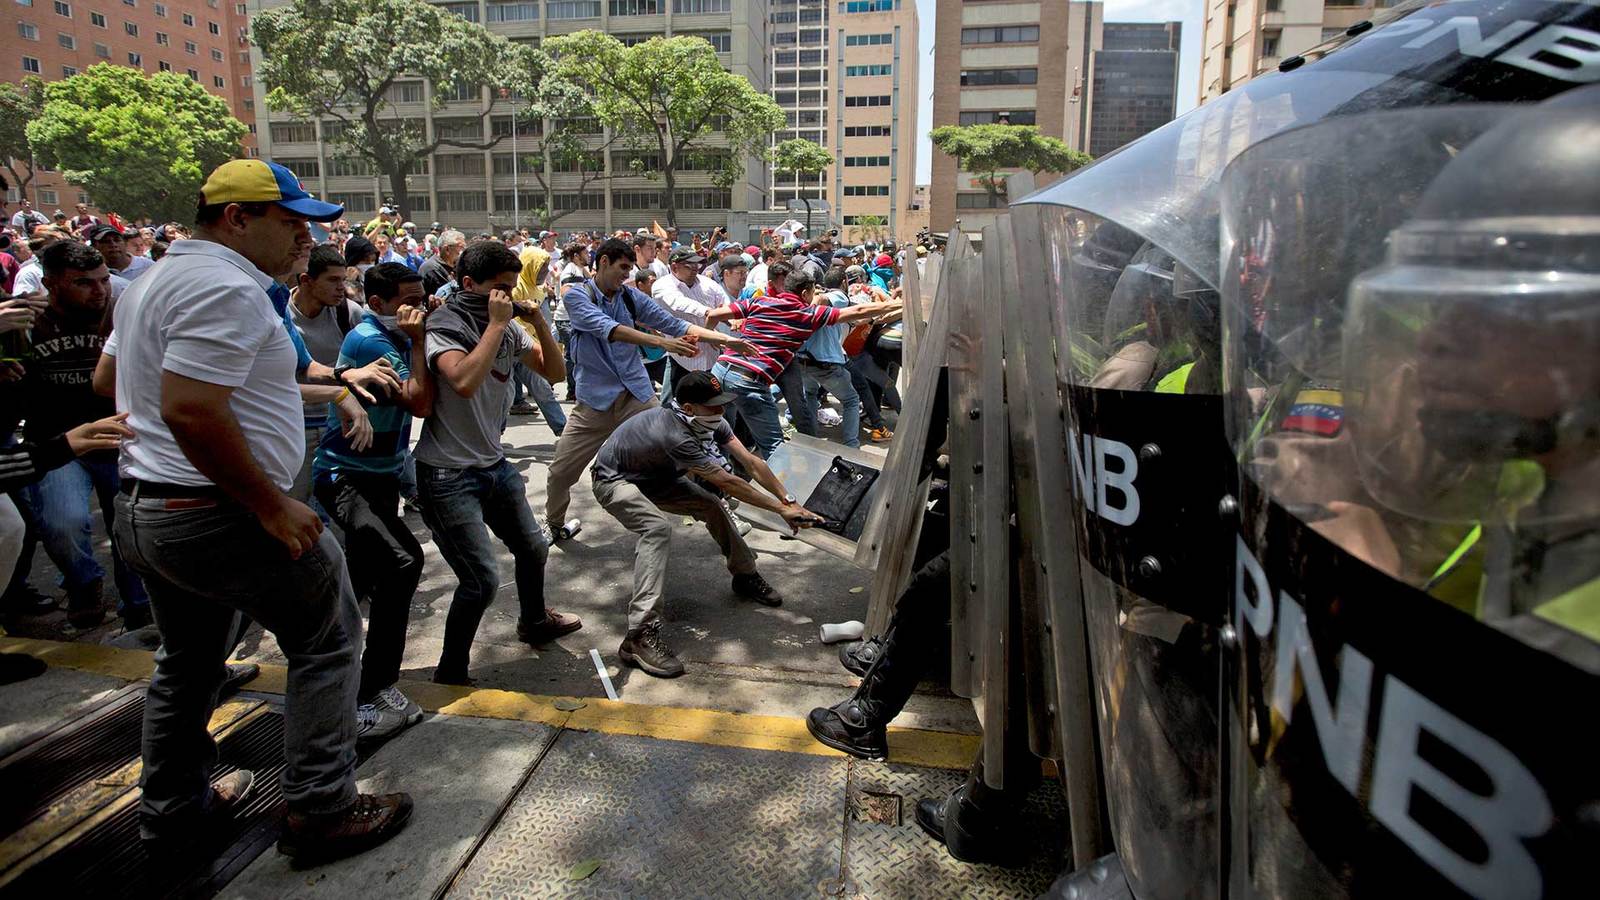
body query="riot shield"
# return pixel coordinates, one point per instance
(1412, 348)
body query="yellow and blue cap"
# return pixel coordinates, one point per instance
(259, 181)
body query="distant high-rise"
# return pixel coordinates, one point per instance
(1245, 39)
(1135, 83)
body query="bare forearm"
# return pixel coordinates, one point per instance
(320, 393)
(418, 392)
(741, 490)
(762, 473)
(554, 367)
(318, 373)
(468, 373)
(628, 335)
(711, 336)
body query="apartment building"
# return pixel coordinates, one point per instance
(1135, 83)
(206, 40)
(845, 73)
(1246, 38)
(496, 188)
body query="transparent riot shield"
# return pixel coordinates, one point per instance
(1412, 347)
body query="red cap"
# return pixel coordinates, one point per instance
(753, 250)
(884, 260)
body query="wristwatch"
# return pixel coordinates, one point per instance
(790, 498)
(338, 373)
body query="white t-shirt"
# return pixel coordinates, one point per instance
(30, 278)
(206, 316)
(691, 303)
(661, 269)
(136, 268)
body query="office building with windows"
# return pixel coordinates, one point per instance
(496, 188)
(206, 40)
(845, 73)
(1246, 38)
(1135, 85)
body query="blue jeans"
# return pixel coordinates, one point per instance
(543, 394)
(60, 503)
(564, 335)
(837, 380)
(753, 400)
(790, 385)
(461, 507)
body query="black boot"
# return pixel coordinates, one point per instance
(976, 823)
(858, 656)
(858, 726)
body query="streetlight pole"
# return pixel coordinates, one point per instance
(516, 164)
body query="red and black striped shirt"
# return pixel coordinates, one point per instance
(776, 325)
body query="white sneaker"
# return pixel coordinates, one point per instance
(829, 417)
(377, 724)
(391, 698)
(742, 526)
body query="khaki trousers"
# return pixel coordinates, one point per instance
(587, 429)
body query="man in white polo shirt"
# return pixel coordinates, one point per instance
(206, 373)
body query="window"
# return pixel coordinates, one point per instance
(867, 40)
(699, 6)
(500, 126)
(866, 131)
(638, 7)
(246, 81)
(216, 55)
(162, 39)
(585, 200)
(1277, 5)
(980, 201)
(217, 81)
(721, 41)
(458, 164)
(636, 200)
(528, 165)
(463, 201)
(634, 40)
(987, 77)
(358, 203)
(1269, 43)
(292, 132)
(131, 29)
(622, 161)
(404, 92)
(854, 162)
(866, 190)
(97, 20)
(458, 129)
(68, 71)
(1010, 34)
(249, 105)
(853, 71)
(161, 10)
(302, 168)
(704, 198)
(864, 6)
(135, 59)
(514, 11)
(188, 20)
(48, 198)
(29, 64)
(194, 74)
(872, 100)
(468, 11)
(999, 117)
(67, 41)
(164, 66)
(586, 161)
(191, 48)
(19, 3)
(456, 91)
(63, 9)
(573, 9)
(214, 28)
(242, 9)
(102, 51)
(28, 31)
(338, 166)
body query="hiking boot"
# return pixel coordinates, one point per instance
(524, 409)
(391, 699)
(84, 607)
(374, 724)
(239, 674)
(847, 727)
(972, 833)
(858, 656)
(880, 435)
(188, 834)
(16, 667)
(644, 649)
(752, 586)
(555, 534)
(554, 625)
(366, 823)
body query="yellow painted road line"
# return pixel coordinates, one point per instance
(909, 746)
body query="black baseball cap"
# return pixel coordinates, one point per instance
(703, 388)
(687, 255)
(100, 231)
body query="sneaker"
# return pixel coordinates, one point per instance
(391, 698)
(644, 649)
(789, 431)
(554, 625)
(880, 435)
(524, 409)
(366, 823)
(564, 532)
(742, 526)
(829, 417)
(377, 724)
(753, 587)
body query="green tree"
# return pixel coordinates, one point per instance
(19, 105)
(984, 150)
(802, 157)
(339, 60)
(139, 144)
(871, 228)
(671, 98)
(563, 135)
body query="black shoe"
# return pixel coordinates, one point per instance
(239, 674)
(554, 625)
(136, 617)
(84, 607)
(457, 677)
(930, 817)
(858, 656)
(16, 667)
(969, 833)
(752, 586)
(644, 649)
(845, 727)
(25, 600)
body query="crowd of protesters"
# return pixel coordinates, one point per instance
(225, 392)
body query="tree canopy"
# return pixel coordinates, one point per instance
(984, 150)
(670, 96)
(801, 157)
(339, 59)
(139, 144)
(19, 105)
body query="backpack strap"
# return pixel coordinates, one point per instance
(342, 314)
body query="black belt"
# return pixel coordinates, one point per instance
(156, 490)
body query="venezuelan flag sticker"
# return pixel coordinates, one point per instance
(1316, 412)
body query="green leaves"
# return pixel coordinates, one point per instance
(985, 149)
(19, 105)
(139, 144)
(800, 156)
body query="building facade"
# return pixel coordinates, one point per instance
(1246, 38)
(1135, 86)
(206, 40)
(496, 188)
(845, 73)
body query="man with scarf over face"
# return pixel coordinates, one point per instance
(642, 474)
(467, 486)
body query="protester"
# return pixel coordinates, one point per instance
(323, 314)
(207, 374)
(112, 244)
(439, 269)
(530, 289)
(360, 488)
(690, 296)
(468, 487)
(26, 218)
(822, 363)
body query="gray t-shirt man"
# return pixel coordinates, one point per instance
(323, 335)
(657, 447)
(464, 432)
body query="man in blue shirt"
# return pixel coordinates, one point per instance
(360, 489)
(822, 362)
(612, 385)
